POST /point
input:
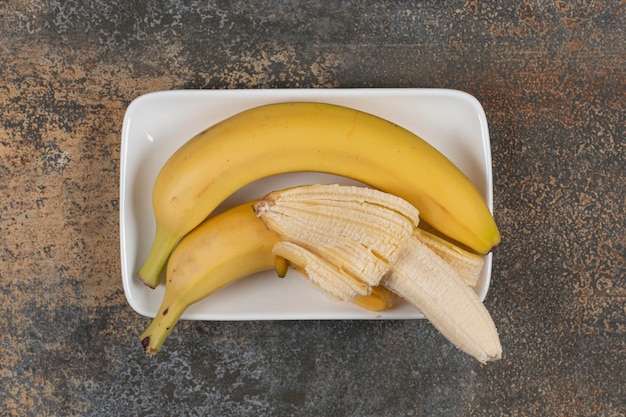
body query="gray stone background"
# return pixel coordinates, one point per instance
(551, 77)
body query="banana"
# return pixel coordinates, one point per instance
(348, 239)
(220, 251)
(296, 137)
(425, 280)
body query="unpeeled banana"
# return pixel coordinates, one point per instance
(349, 239)
(290, 137)
(223, 249)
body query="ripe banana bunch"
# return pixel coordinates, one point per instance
(348, 239)
(296, 137)
(223, 249)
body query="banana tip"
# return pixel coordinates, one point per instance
(145, 342)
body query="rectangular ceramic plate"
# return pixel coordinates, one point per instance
(156, 124)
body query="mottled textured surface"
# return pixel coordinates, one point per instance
(552, 79)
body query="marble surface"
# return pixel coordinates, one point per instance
(551, 76)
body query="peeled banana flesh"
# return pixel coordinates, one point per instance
(432, 286)
(348, 239)
(468, 265)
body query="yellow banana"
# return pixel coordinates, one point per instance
(296, 137)
(220, 251)
(348, 239)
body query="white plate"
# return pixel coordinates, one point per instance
(156, 124)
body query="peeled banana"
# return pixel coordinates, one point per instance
(348, 239)
(433, 287)
(290, 137)
(323, 231)
(222, 250)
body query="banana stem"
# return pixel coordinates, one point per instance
(162, 246)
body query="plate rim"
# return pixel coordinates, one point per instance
(277, 95)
